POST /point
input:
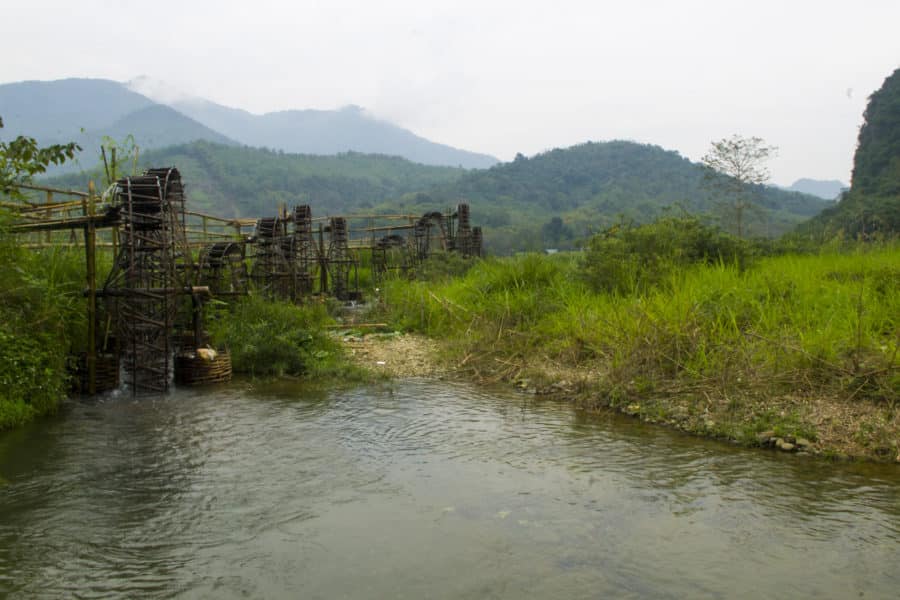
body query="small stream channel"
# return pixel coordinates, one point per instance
(423, 489)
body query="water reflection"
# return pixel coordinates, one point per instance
(422, 488)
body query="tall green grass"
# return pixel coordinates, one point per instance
(42, 321)
(267, 337)
(814, 322)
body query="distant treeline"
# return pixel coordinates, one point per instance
(553, 200)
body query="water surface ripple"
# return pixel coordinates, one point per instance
(423, 489)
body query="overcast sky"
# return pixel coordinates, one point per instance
(500, 77)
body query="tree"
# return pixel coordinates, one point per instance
(733, 167)
(22, 158)
(555, 231)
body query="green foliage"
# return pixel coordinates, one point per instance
(555, 199)
(871, 209)
(279, 338)
(22, 158)
(442, 266)
(41, 309)
(562, 196)
(42, 320)
(876, 165)
(819, 323)
(32, 374)
(233, 181)
(626, 258)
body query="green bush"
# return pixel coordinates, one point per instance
(823, 323)
(279, 338)
(626, 258)
(42, 321)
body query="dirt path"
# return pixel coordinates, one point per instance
(396, 354)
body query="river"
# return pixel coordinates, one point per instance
(423, 489)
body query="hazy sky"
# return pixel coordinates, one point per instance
(500, 77)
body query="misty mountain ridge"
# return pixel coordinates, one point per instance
(827, 189)
(86, 110)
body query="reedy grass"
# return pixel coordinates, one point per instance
(272, 338)
(819, 324)
(42, 321)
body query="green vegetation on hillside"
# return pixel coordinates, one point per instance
(553, 200)
(251, 182)
(872, 206)
(590, 187)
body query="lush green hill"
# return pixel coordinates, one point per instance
(241, 181)
(551, 200)
(872, 206)
(555, 198)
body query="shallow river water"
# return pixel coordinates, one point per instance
(423, 489)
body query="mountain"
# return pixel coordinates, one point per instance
(826, 189)
(56, 111)
(555, 198)
(328, 132)
(158, 126)
(86, 110)
(872, 206)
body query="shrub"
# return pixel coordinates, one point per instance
(628, 259)
(278, 338)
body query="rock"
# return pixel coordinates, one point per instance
(785, 446)
(765, 438)
(803, 443)
(633, 409)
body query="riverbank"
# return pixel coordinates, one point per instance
(796, 423)
(799, 352)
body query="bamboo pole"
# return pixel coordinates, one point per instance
(48, 213)
(43, 188)
(90, 239)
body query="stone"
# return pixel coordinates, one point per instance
(765, 438)
(803, 443)
(786, 446)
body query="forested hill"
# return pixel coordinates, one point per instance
(555, 198)
(873, 203)
(242, 181)
(551, 200)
